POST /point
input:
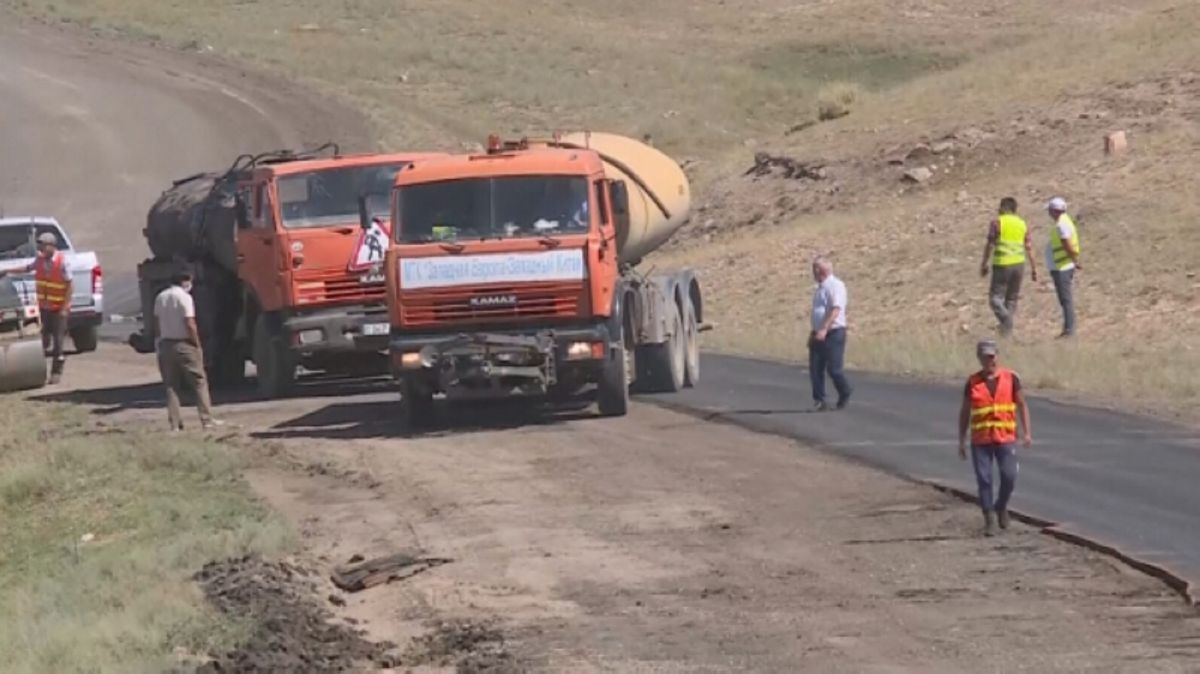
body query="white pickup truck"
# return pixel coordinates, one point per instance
(18, 246)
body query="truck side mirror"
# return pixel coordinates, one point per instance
(364, 217)
(619, 195)
(241, 211)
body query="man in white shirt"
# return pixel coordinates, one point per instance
(827, 342)
(180, 359)
(1062, 259)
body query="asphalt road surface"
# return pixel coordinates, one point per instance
(1122, 480)
(92, 133)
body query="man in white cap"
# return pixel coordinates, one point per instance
(1062, 258)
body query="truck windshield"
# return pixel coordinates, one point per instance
(18, 241)
(330, 196)
(485, 208)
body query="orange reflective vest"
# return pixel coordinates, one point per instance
(993, 417)
(52, 282)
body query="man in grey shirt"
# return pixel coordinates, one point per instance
(827, 342)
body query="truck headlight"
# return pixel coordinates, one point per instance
(311, 336)
(585, 350)
(411, 360)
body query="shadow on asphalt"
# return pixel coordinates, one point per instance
(377, 420)
(115, 399)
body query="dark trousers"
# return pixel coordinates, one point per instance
(1005, 456)
(1063, 282)
(828, 356)
(1004, 292)
(54, 331)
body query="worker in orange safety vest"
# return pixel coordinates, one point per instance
(53, 276)
(992, 404)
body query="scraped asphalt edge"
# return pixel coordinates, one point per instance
(1174, 581)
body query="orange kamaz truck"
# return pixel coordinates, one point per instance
(284, 276)
(514, 272)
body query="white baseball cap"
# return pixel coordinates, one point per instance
(1057, 204)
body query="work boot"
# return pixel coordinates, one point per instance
(989, 524)
(1004, 519)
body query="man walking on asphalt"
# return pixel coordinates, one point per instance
(1062, 259)
(52, 273)
(992, 403)
(1008, 247)
(827, 342)
(180, 359)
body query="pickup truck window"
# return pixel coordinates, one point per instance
(493, 208)
(18, 241)
(329, 197)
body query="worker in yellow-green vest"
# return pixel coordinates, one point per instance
(1062, 258)
(1007, 250)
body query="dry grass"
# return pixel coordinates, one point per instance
(837, 99)
(122, 600)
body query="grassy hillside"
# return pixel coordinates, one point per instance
(1015, 96)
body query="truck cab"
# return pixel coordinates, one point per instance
(314, 279)
(505, 278)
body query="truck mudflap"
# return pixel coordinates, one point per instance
(490, 364)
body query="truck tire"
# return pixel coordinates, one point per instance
(85, 338)
(416, 407)
(612, 394)
(663, 366)
(691, 346)
(274, 362)
(229, 370)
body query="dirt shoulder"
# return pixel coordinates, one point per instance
(659, 542)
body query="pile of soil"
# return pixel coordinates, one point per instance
(471, 647)
(292, 629)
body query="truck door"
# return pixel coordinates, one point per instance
(603, 269)
(259, 260)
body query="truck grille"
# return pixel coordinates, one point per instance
(328, 287)
(467, 305)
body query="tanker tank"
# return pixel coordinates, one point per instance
(659, 194)
(195, 219)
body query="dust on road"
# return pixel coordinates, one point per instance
(658, 542)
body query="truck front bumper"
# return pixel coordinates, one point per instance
(358, 328)
(501, 363)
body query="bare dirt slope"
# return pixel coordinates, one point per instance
(92, 131)
(659, 543)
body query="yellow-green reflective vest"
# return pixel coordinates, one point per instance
(1010, 241)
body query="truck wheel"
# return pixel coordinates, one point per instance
(229, 370)
(85, 338)
(691, 334)
(416, 407)
(612, 394)
(664, 365)
(273, 361)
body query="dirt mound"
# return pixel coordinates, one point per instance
(293, 632)
(468, 646)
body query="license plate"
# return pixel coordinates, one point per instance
(376, 329)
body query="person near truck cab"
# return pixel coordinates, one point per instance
(180, 358)
(52, 273)
(1062, 258)
(1007, 249)
(827, 342)
(992, 405)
